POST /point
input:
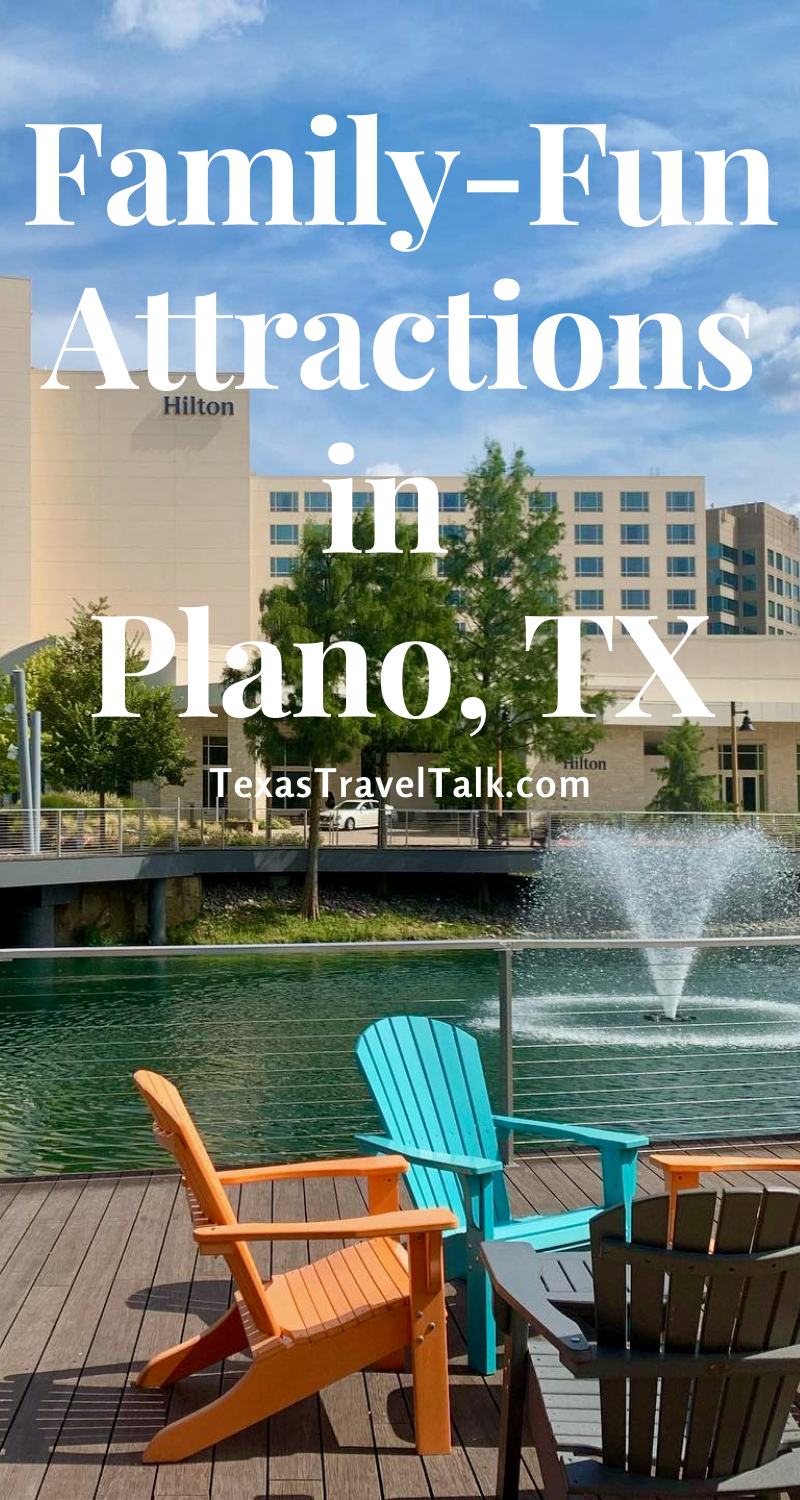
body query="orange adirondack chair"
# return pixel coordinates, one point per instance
(359, 1306)
(682, 1171)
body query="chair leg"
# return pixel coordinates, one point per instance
(429, 1345)
(220, 1341)
(481, 1328)
(512, 1416)
(247, 1402)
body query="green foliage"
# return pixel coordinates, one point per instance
(9, 773)
(87, 754)
(684, 786)
(507, 567)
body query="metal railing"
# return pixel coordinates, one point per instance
(705, 1083)
(81, 832)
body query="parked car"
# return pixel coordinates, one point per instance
(355, 813)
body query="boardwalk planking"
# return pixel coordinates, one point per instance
(99, 1273)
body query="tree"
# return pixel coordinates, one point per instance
(399, 598)
(88, 754)
(504, 568)
(685, 787)
(9, 774)
(317, 604)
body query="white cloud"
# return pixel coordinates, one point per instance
(179, 23)
(384, 471)
(773, 344)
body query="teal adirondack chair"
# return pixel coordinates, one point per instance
(428, 1084)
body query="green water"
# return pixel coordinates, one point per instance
(263, 1047)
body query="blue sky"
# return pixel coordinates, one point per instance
(176, 75)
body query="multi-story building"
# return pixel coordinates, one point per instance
(753, 570)
(631, 543)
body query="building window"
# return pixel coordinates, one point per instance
(677, 627)
(779, 560)
(770, 558)
(779, 586)
(284, 536)
(362, 499)
(752, 779)
(317, 500)
(588, 567)
(282, 567)
(588, 598)
(680, 499)
(634, 500)
(453, 533)
(590, 627)
(771, 582)
(406, 500)
(717, 603)
(748, 558)
(283, 500)
(749, 583)
(780, 612)
(215, 753)
(718, 579)
(589, 500)
(544, 500)
(589, 535)
(680, 536)
(635, 567)
(635, 598)
(749, 610)
(721, 627)
(452, 500)
(680, 567)
(634, 536)
(719, 549)
(771, 608)
(681, 598)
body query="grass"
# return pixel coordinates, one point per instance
(270, 923)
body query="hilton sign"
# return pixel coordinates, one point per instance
(196, 406)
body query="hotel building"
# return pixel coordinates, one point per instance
(152, 503)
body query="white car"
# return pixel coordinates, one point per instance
(355, 813)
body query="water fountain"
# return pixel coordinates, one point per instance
(663, 878)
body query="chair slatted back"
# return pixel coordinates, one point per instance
(175, 1129)
(713, 1291)
(429, 1087)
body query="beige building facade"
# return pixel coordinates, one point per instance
(753, 570)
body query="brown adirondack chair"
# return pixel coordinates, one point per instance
(360, 1306)
(687, 1384)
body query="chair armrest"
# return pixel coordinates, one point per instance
(465, 1166)
(513, 1269)
(352, 1166)
(701, 1162)
(586, 1134)
(213, 1239)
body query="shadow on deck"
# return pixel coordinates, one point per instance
(98, 1274)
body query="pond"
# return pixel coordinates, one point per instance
(262, 1047)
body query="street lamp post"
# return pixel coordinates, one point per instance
(746, 727)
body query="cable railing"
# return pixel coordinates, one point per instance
(263, 1034)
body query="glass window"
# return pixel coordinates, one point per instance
(748, 558)
(719, 549)
(588, 598)
(680, 499)
(590, 627)
(634, 536)
(677, 627)
(589, 535)
(680, 536)
(452, 500)
(588, 567)
(634, 500)
(635, 567)
(717, 604)
(771, 582)
(771, 608)
(317, 499)
(787, 565)
(749, 583)
(588, 499)
(284, 536)
(635, 598)
(770, 558)
(779, 560)
(749, 609)
(282, 567)
(795, 568)
(406, 500)
(215, 753)
(283, 500)
(718, 578)
(780, 612)
(453, 533)
(361, 499)
(681, 567)
(779, 586)
(544, 500)
(681, 598)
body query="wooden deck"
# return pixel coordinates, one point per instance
(98, 1274)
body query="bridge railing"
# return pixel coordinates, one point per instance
(83, 832)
